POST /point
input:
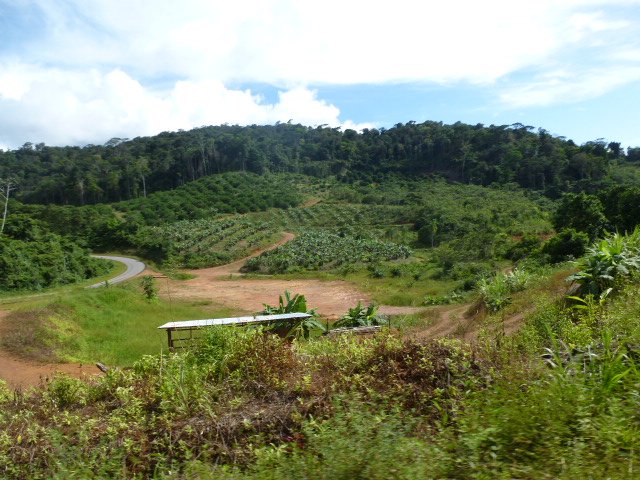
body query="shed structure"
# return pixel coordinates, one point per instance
(190, 326)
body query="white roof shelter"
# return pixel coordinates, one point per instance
(212, 322)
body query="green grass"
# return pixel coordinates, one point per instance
(114, 325)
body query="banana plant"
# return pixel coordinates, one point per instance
(293, 304)
(605, 264)
(360, 316)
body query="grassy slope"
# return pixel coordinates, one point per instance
(251, 406)
(114, 325)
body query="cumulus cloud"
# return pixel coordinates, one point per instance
(62, 107)
(296, 41)
(87, 71)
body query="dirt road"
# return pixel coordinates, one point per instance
(224, 285)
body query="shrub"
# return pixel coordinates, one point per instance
(360, 316)
(567, 244)
(297, 304)
(496, 292)
(608, 264)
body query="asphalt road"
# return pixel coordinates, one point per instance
(134, 267)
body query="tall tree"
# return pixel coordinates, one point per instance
(7, 185)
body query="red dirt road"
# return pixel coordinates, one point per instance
(225, 285)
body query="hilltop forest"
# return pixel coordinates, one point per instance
(500, 267)
(126, 190)
(124, 169)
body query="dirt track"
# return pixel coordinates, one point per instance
(224, 285)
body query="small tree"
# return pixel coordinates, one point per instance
(7, 185)
(582, 212)
(148, 284)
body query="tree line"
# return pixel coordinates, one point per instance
(124, 169)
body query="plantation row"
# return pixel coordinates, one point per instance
(218, 194)
(321, 249)
(336, 215)
(206, 242)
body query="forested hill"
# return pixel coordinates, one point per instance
(125, 169)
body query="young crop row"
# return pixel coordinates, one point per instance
(226, 193)
(207, 242)
(321, 249)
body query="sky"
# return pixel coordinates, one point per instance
(77, 72)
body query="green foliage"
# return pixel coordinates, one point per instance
(249, 405)
(448, 212)
(608, 264)
(203, 243)
(567, 244)
(216, 194)
(43, 260)
(361, 316)
(300, 328)
(581, 212)
(321, 249)
(238, 393)
(496, 292)
(526, 246)
(622, 206)
(148, 284)
(130, 169)
(442, 299)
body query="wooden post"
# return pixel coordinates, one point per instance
(169, 340)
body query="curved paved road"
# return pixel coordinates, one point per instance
(134, 267)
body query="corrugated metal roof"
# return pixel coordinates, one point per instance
(232, 321)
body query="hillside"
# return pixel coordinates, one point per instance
(125, 169)
(507, 348)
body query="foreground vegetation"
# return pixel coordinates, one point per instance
(249, 405)
(557, 399)
(549, 388)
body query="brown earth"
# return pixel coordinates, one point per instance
(21, 373)
(225, 285)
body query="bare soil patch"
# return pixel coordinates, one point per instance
(21, 373)
(226, 285)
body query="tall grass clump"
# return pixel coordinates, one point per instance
(496, 292)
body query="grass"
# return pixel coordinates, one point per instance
(253, 406)
(114, 325)
(401, 291)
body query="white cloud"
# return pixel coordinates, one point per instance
(92, 69)
(301, 42)
(567, 87)
(62, 107)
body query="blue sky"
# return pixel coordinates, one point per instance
(78, 72)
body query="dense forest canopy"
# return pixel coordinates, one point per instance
(126, 169)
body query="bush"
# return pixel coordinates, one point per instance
(496, 292)
(608, 264)
(567, 244)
